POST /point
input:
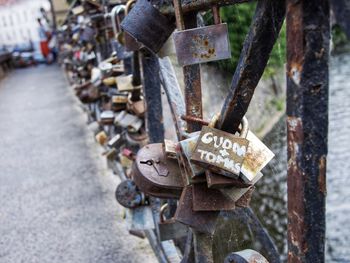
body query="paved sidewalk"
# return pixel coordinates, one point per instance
(56, 195)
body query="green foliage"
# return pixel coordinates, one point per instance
(338, 37)
(239, 18)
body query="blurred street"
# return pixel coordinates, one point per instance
(57, 197)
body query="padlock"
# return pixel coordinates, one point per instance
(118, 42)
(116, 141)
(246, 256)
(155, 174)
(141, 218)
(235, 193)
(110, 81)
(170, 149)
(170, 228)
(130, 43)
(191, 172)
(203, 221)
(119, 102)
(101, 137)
(107, 117)
(128, 195)
(136, 107)
(147, 25)
(221, 152)
(136, 139)
(203, 44)
(129, 121)
(124, 83)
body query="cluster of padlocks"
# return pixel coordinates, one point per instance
(167, 187)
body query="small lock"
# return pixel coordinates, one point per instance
(147, 25)
(124, 83)
(136, 107)
(101, 137)
(221, 152)
(128, 195)
(245, 256)
(119, 101)
(202, 44)
(107, 117)
(170, 229)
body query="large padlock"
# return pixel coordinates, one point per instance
(130, 43)
(155, 174)
(203, 44)
(220, 151)
(170, 228)
(147, 25)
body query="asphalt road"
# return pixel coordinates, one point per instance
(56, 195)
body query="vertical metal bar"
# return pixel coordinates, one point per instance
(153, 100)
(308, 34)
(192, 78)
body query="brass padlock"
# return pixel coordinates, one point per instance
(155, 174)
(220, 151)
(147, 25)
(101, 137)
(203, 44)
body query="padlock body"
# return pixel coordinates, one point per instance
(203, 44)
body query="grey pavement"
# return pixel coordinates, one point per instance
(56, 195)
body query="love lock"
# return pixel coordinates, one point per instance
(245, 256)
(129, 121)
(147, 25)
(130, 43)
(119, 101)
(170, 229)
(128, 195)
(137, 107)
(107, 117)
(155, 174)
(200, 45)
(136, 139)
(220, 151)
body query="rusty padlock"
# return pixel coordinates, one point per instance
(128, 195)
(155, 174)
(221, 152)
(147, 25)
(203, 44)
(170, 228)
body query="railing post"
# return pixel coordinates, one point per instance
(308, 34)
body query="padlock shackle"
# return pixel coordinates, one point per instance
(161, 212)
(128, 6)
(114, 16)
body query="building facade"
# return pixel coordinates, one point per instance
(18, 21)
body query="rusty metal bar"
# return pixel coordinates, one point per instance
(264, 30)
(308, 34)
(192, 78)
(202, 5)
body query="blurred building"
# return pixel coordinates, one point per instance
(18, 21)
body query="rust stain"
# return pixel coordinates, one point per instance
(322, 175)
